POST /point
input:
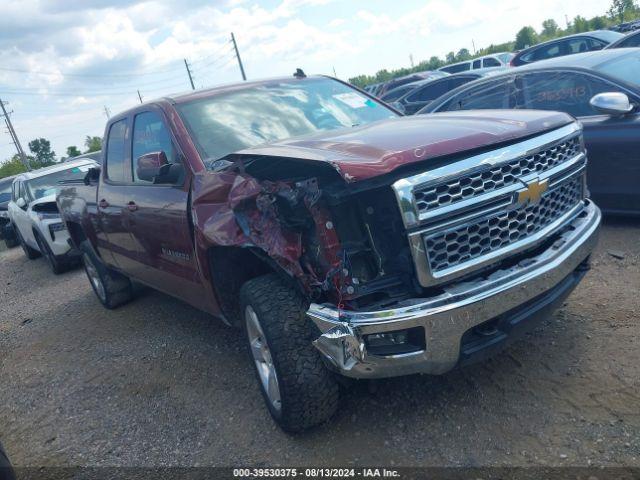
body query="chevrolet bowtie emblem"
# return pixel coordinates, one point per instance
(533, 192)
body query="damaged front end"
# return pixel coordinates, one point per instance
(413, 271)
(337, 248)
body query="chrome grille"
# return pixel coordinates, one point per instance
(453, 247)
(503, 175)
(470, 214)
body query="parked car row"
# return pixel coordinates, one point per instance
(569, 45)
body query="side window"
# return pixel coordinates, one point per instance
(579, 45)
(462, 67)
(564, 91)
(476, 64)
(491, 62)
(632, 41)
(498, 94)
(21, 191)
(150, 135)
(115, 157)
(595, 44)
(430, 91)
(549, 51)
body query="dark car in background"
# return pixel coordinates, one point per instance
(401, 91)
(428, 90)
(628, 41)
(414, 77)
(6, 230)
(601, 89)
(569, 45)
(626, 26)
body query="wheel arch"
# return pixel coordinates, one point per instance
(231, 267)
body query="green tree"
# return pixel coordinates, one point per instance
(13, 166)
(73, 151)
(549, 28)
(620, 8)
(463, 55)
(43, 155)
(526, 37)
(93, 144)
(580, 24)
(598, 23)
(450, 58)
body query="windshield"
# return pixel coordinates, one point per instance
(229, 122)
(5, 191)
(48, 184)
(624, 67)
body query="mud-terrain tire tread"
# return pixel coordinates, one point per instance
(117, 287)
(309, 391)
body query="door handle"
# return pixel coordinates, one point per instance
(132, 206)
(103, 203)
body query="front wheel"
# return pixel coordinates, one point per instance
(112, 288)
(31, 253)
(299, 390)
(57, 265)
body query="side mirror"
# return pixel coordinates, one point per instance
(611, 103)
(148, 165)
(93, 175)
(21, 203)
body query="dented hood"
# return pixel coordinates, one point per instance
(378, 148)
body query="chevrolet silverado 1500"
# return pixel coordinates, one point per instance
(343, 238)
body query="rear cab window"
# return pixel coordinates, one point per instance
(115, 157)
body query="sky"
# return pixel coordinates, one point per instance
(63, 61)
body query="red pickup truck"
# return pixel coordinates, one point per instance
(345, 239)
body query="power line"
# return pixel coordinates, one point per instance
(113, 75)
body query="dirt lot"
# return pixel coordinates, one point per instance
(159, 383)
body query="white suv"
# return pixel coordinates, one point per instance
(34, 213)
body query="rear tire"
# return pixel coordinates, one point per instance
(31, 253)
(112, 288)
(299, 390)
(57, 265)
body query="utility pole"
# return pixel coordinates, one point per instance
(107, 112)
(139, 96)
(189, 73)
(411, 59)
(474, 46)
(14, 136)
(334, 72)
(235, 47)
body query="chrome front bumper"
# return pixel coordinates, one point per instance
(446, 317)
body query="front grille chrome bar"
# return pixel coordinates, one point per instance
(526, 192)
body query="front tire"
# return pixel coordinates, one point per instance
(31, 253)
(57, 265)
(299, 390)
(112, 288)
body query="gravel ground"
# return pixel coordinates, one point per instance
(157, 382)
